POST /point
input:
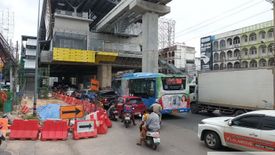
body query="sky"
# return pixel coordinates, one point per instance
(200, 18)
(194, 18)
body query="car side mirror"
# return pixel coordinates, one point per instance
(230, 122)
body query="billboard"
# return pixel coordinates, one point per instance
(206, 53)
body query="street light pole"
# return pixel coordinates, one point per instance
(36, 64)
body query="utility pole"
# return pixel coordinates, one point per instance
(16, 88)
(36, 64)
(273, 46)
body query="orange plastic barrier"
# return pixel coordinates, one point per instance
(102, 128)
(84, 129)
(54, 130)
(24, 129)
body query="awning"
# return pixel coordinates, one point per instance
(73, 55)
(106, 56)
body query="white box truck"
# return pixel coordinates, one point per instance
(235, 91)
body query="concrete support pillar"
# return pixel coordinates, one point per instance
(104, 75)
(150, 42)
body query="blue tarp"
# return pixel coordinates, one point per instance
(50, 111)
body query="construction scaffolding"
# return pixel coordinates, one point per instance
(7, 24)
(166, 32)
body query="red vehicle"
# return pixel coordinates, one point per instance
(136, 101)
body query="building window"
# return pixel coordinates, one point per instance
(237, 65)
(244, 52)
(262, 63)
(270, 48)
(252, 37)
(270, 33)
(253, 51)
(237, 53)
(216, 45)
(262, 49)
(229, 54)
(216, 67)
(216, 57)
(229, 65)
(271, 62)
(236, 40)
(253, 63)
(222, 66)
(245, 64)
(222, 43)
(222, 56)
(262, 34)
(244, 38)
(229, 41)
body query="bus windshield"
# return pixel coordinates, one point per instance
(173, 83)
(144, 88)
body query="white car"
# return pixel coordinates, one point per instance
(252, 131)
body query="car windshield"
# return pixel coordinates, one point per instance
(110, 93)
(134, 100)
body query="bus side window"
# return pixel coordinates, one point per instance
(151, 88)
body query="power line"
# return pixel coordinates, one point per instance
(215, 19)
(229, 25)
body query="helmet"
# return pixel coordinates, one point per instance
(157, 101)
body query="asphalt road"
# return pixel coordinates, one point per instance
(178, 137)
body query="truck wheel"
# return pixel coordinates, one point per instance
(210, 111)
(194, 108)
(239, 112)
(212, 140)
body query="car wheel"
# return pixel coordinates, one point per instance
(212, 140)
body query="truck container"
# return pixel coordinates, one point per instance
(235, 91)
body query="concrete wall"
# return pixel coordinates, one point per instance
(73, 25)
(183, 54)
(110, 42)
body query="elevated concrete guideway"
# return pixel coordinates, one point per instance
(130, 11)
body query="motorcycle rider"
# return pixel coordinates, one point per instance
(157, 108)
(111, 110)
(142, 126)
(1, 135)
(128, 108)
(151, 124)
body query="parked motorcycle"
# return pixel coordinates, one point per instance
(152, 139)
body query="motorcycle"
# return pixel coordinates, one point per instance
(127, 119)
(152, 139)
(114, 115)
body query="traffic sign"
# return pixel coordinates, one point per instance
(85, 126)
(68, 112)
